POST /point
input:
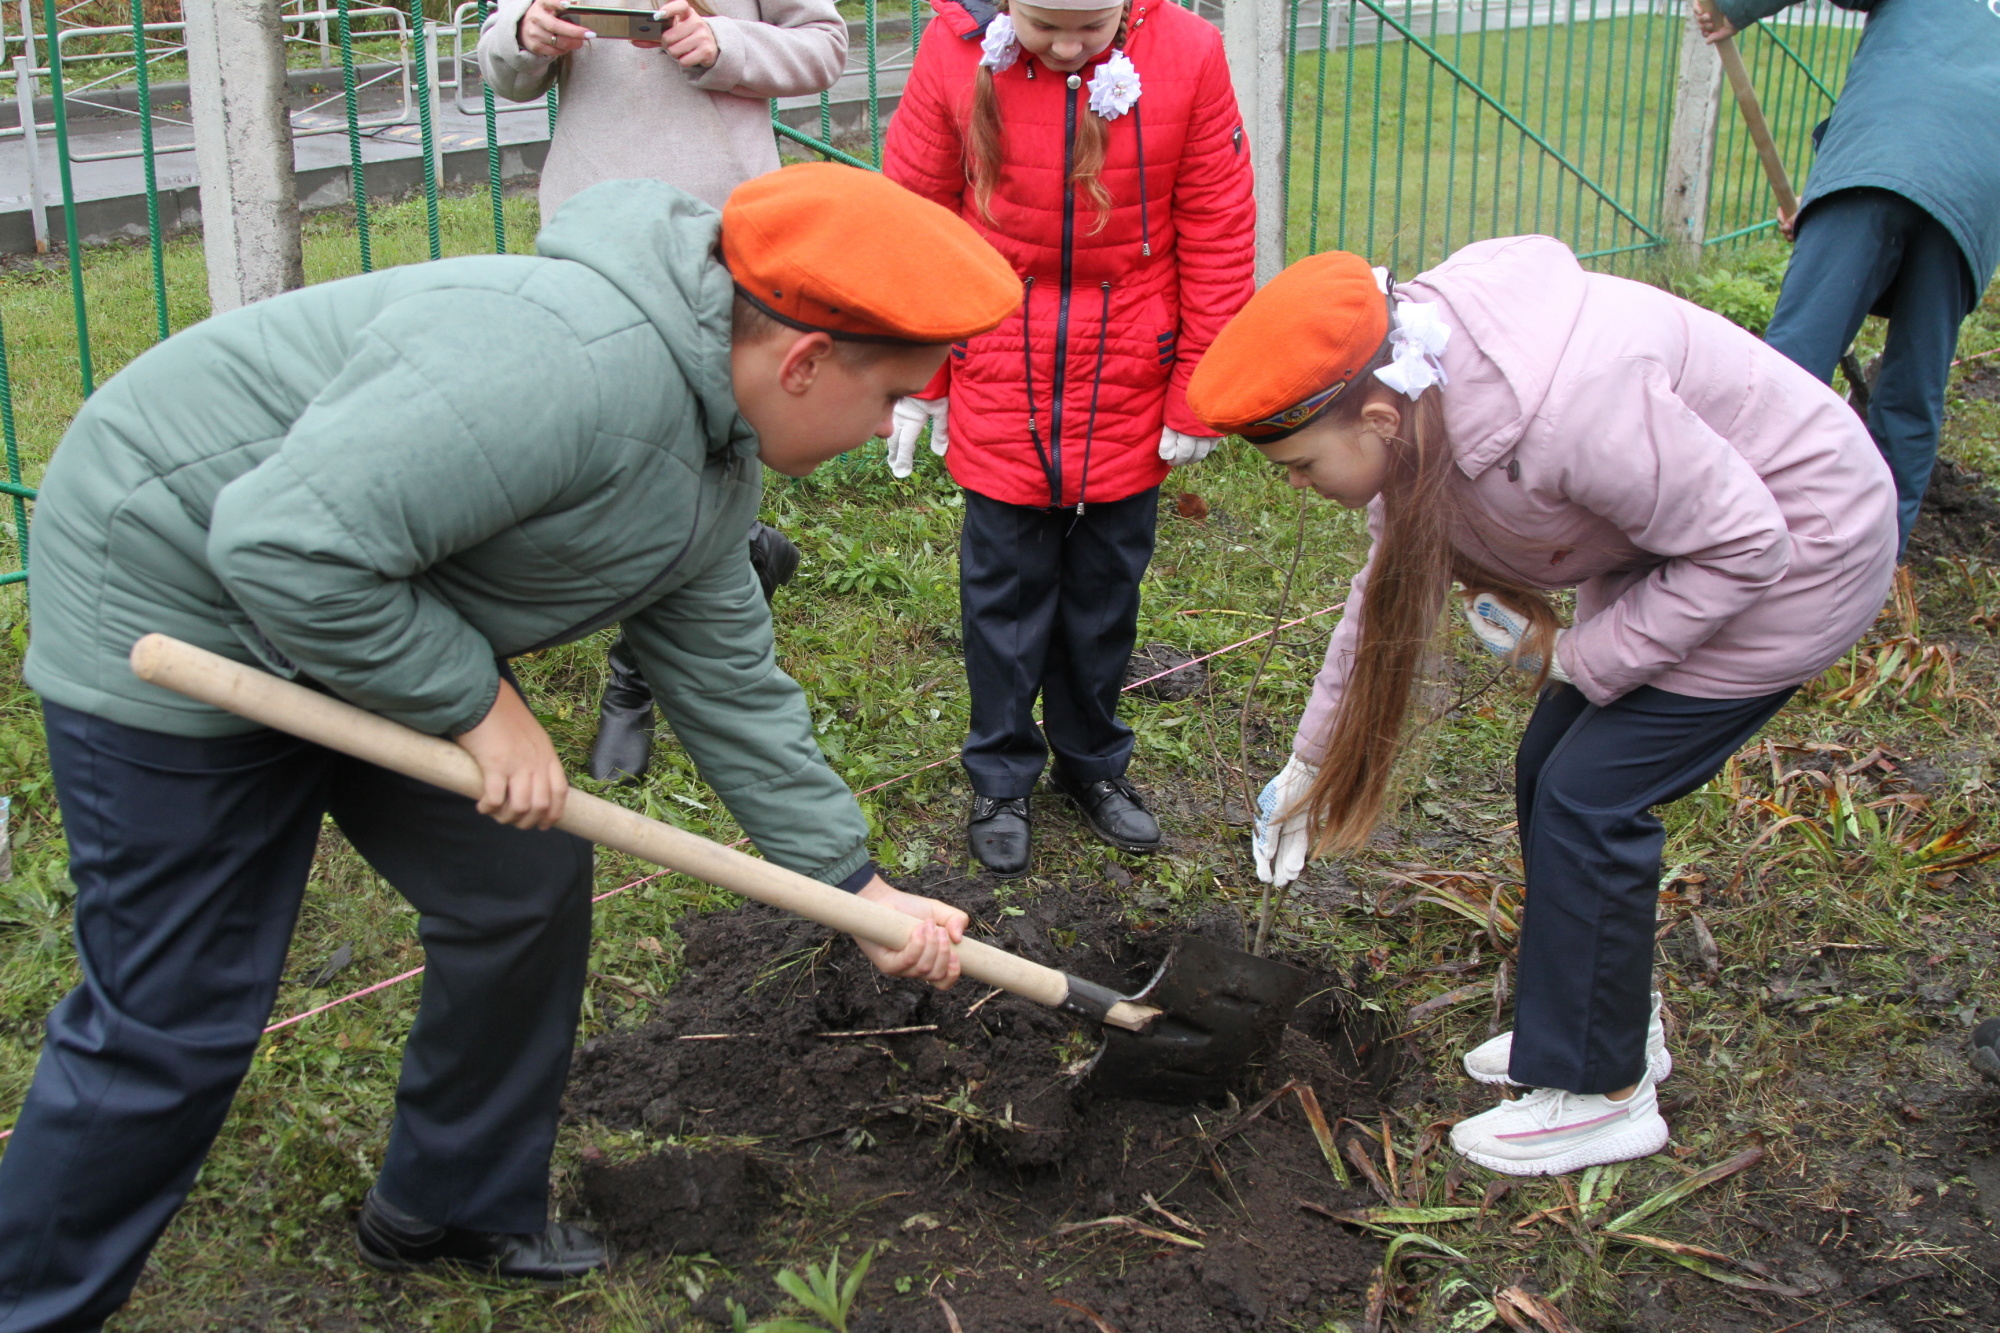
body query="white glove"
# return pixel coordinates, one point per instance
(1280, 848)
(907, 422)
(1500, 627)
(1177, 449)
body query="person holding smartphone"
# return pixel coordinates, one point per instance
(691, 109)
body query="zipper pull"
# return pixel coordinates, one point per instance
(1079, 509)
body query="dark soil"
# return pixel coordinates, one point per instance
(1960, 515)
(1162, 671)
(966, 1146)
(1981, 382)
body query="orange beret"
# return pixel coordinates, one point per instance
(1292, 349)
(839, 250)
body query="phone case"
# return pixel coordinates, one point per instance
(619, 24)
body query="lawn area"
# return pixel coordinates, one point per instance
(1395, 153)
(1821, 957)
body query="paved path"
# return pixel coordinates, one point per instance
(107, 170)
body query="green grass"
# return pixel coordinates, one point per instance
(1413, 164)
(869, 630)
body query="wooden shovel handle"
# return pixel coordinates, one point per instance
(324, 720)
(1760, 129)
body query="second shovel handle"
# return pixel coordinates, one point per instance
(324, 720)
(1760, 128)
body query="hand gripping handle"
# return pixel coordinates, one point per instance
(324, 720)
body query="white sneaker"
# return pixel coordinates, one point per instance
(1487, 1062)
(1549, 1132)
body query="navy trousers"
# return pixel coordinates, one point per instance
(1586, 780)
(190, 857)
(1863, 252)
(1049, 600)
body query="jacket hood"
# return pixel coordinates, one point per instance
(657, 245)
(1512, 304)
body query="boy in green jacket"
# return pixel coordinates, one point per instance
(386, 487)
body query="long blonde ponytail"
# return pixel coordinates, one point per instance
(983, 149)
(1413, 567)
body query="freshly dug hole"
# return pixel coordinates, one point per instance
(966, 1143)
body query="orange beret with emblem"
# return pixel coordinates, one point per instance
(1294, 348)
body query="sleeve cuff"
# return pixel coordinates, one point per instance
(492, 697)
(727, 71)
(860, 879)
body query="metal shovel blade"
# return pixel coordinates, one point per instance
(1223, 1013)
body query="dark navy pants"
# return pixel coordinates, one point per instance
(190, 857)
(1049, 600)
(1586, 780)
(1863, 252)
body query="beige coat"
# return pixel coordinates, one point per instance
(632, 113)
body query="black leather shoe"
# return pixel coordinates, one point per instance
(998, 834)
(624, 744)
(1114, 812)
(773, 556)
(392, 1240)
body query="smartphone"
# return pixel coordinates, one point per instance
(628, 25)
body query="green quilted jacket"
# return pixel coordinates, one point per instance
(386, 483)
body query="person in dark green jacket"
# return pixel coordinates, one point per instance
(385, 487)
(1900, 215)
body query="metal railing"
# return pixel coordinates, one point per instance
(1413, 126)
(1416, 128)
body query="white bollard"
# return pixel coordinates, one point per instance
(1691, 145)
(243, 151)
(1253, 32)
(31, 147)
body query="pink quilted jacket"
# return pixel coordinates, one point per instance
(1727, 523)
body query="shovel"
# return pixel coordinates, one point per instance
(1209, 1018)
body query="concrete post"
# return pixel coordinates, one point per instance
(243, 151)
(31, 149)
(1253, 33)
(1691, 146)
(432, 32)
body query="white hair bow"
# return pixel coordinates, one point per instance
(1416, 343)
(1001, 48)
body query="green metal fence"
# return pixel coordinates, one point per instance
(1413, 128)
(1417, 128)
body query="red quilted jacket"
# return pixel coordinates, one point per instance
(1063, 403)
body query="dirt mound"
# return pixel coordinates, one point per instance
(1960, 515)
(955, 1128)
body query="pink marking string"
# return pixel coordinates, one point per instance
(647, 879)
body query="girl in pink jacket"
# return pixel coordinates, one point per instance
(1517, 424)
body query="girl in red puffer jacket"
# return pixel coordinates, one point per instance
(1100, 150)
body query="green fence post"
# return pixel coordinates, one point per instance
(874, 99)
(13, 459)
(49, 18)
(1319, 130)
(1285, 149)
(420, 36)
(140, 62)
(354, 137)
(492, 145)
